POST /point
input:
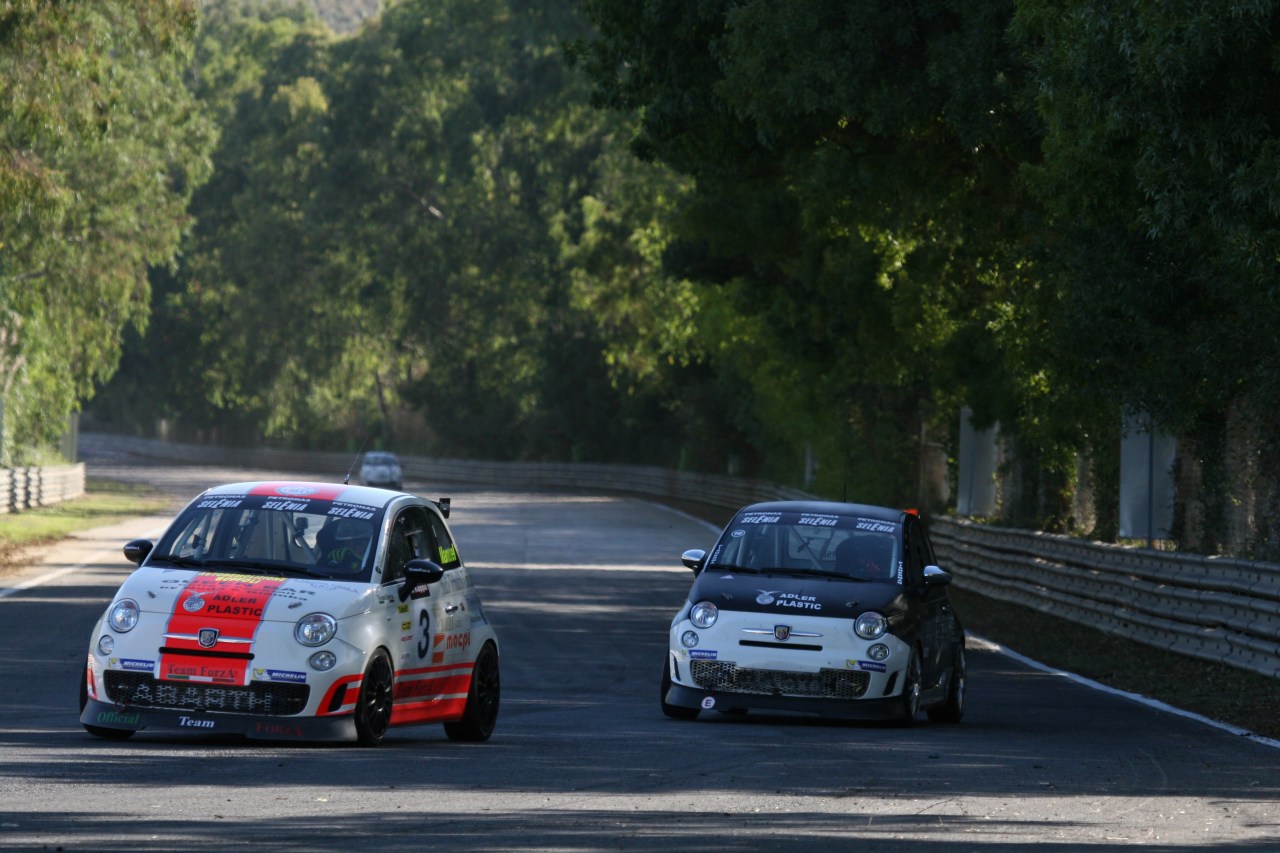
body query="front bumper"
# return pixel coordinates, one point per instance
(108, 716)
(835, 709)
(819, 668)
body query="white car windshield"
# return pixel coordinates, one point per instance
(812, 543)
(272, 534)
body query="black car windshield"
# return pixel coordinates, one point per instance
(317, 538)
(845, 546)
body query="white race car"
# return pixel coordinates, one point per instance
(295, 610)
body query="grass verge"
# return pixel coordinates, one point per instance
(104, 502)
(1214, 690)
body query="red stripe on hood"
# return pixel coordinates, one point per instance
(231, 604)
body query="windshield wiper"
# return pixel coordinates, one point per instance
(266, 568)
(190, 562)
(731, 567)
(817, 573)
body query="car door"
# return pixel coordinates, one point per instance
(416, 616)
(451, 642)
(932, 601)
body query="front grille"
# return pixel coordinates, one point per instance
(139, 690)
(824, 684)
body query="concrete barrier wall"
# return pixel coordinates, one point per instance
(1214, 608)
(26, 488)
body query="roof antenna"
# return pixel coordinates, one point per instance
(346, 481)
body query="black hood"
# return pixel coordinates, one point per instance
(794, 595)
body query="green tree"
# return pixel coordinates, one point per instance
(101, 147)
(1159, 174)
(858, 207)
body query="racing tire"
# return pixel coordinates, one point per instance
(483, 699)
(909, 708)
(99, 731)
(373, 708)
(675, 712)
(952, 710)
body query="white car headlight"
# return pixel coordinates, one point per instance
(870, 626)
(315, 629)
(124, 615)
(704, 614)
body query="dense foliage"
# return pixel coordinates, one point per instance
(789, 240)
(101, 145)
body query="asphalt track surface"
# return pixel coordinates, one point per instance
(581, 590)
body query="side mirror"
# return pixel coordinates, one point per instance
(137, 550)
(934, 576)
(444, 504)
(419, 575)
(693, 559)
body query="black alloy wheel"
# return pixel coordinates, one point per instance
(373, 708)
(910, 707)
(952, 710)
(483, 699)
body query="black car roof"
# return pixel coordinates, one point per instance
(880, 513)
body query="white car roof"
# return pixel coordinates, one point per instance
(342, 492)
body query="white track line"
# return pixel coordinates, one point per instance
(1124, 694)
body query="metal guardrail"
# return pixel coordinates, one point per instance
(27, 488)
(652, 481)
(1214, 608)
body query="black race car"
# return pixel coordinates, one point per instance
(824, 608)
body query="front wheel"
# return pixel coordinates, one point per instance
(99, 731)
(481, 714)
(909, 708)
(675, 712)
(373, 708)
(952, 710)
